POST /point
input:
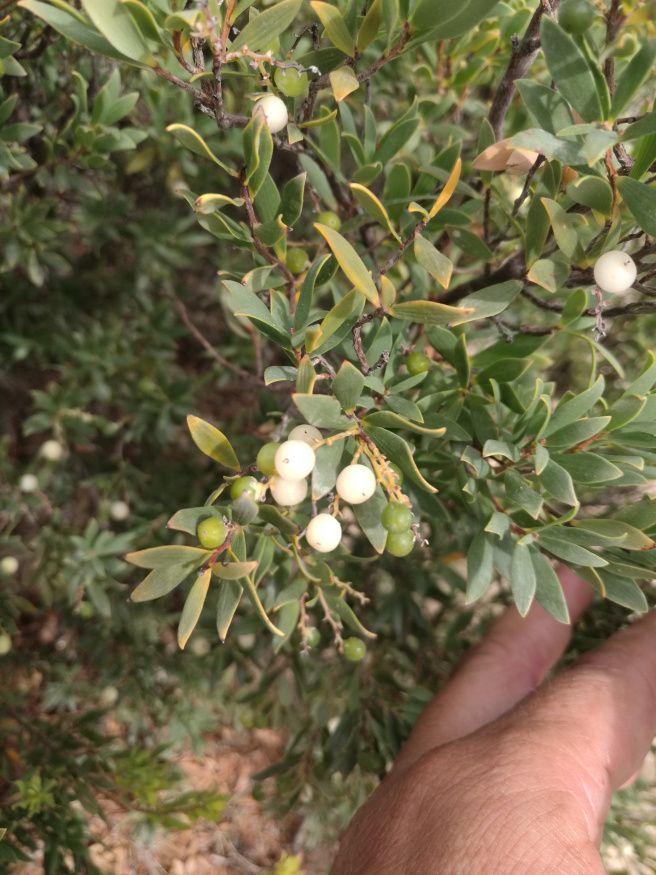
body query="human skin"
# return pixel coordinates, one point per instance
(504, 773)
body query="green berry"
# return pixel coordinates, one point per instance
(265, 460)
(355, 650)
(211, 532)
(330, 220)
(396, 517)
(5, 644)
(400, 476)
(313, 638)
(417, 363)
(297, 260)
(576, 16)
(291, 82)
(243, 485)
(400, 543)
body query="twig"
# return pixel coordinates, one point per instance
(527, 185)
(550, 306)
(522, 56)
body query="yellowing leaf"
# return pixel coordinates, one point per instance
(343, 82)
(195, 143)
(374, 207)
(428, 312)
(351, 263)
(192, 607)
(335, 26)
(432, 260)
(445, 195)
(212, 442)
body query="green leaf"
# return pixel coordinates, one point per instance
(145, 20)
(230, 593)
(520, 493)
(287, 620)
(72, 28)
(480, 567)
(624, 592)
(368, 515)
(324, 473)
(350, 262)
(266, 26)
(187, 519)
(193, 607)
(633, 75)
(488, 302)
(573, 409)
(368, 30)
(234, 570)
(306, 296)
(558, 541)
(195, 143)
(115, 23)
(433, 261)
(270, 514)
(160, 582)
(566, 228)
(242, 302)
(448, 20)
(577, 432)
(428, 312)
(212, 442)
(644, 127)
(523, 580)
(593, 192)
(547, 106)
(630, 537)
(640, 198)
(348, 385)
(374, 208)
(258, 150)
(389, 419)
(588, 468)
(292, 199)
(558, 483)
(549, 592)
(161, 557)
(398, 451)
(322, 411)
(549, 273)
(336, 28)
(570, 71)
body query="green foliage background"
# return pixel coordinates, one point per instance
(114, 327)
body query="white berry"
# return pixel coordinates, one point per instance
(273, 110)
(294, 460)
(615, 271)
(324, 533)
(287, 493)
(356, 484)
(306, 433)
(119, 511)
(52, 451)
(108, 696)
(9, 565)
(28, 483)
(5, 644)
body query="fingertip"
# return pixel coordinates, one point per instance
(578, 592)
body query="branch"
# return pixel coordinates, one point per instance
(521, 57)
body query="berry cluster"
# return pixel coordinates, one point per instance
(287, 465)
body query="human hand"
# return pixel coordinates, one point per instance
(499, 776)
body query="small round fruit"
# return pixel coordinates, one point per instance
(291, 82)
(274, 112)
(288, 493)
(296, 260)
(119, 511)
(266, 457)
(355, 649)
(9, 565)
(86, 610)
(400, 543)
(313, 637)
(5, 644)
(323, 533)
(294, 460)
(417, 363)
(356, 484)
(306, 433)
(400, 476)
(615, 271)
(108, 696)
(211, 533)
(244, 485)
(330, 220)
(28, 483)
(52, 451)
(396, 517)
(575, 16)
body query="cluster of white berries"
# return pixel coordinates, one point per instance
(294, 461)
(615, 271)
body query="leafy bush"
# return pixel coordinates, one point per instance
(406, 206)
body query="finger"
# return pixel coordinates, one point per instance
(603, 711)
(510, 662)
